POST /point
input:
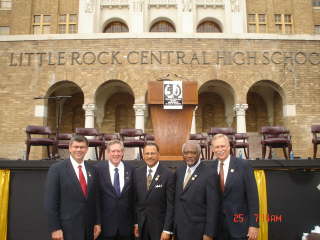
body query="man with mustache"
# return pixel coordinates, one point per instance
(240, 203)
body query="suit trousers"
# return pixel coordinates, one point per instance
(224, 233)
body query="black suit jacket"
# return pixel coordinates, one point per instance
(240, 202)
(197, 205)
(155, 205)
(116, 211)
(66, 206)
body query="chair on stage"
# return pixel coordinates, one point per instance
(47, 141)
(241, 141)
(229, 132)
(315, 129)
(150, 138)
(275, 137)
(133, 138)
(203, 142)
(62, 141)
(97, 141)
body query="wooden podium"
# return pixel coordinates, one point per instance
(171, 127)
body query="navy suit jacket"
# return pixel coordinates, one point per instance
(197, 205)
(240, 201)
(66, 206)
(155, 205)
(116, 211)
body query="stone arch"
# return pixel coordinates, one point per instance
(162, 19)
(72, 113)
(213, 20)
(215, 107)
(111, 20)
(265, 100)
(114, 101)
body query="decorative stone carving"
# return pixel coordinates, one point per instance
(89, 109)
(139, 109)
(90, 6)
(240, 109)
(235, 5)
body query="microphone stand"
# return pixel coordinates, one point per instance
(59, 102)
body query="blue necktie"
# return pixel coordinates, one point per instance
(116, 181)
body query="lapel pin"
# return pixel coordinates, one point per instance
(232, 170)
(157, 178)
(194, 177)
(89, 174)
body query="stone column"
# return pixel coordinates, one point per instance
(89, 123)
(193, 124)
(240, 110)
(139, 113)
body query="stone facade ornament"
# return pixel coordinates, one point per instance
(235, 5)
(187, 5)
(139, 109)
(90, 6)
(240, 109)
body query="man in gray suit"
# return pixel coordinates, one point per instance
(197, 197)
(71, 200)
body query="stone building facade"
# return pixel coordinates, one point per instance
(257, 63)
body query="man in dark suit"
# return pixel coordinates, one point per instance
(116, 194)
(197, 197)
(71, 200)
(240, 204)
(154, 197)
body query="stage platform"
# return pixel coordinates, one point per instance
(293, 192)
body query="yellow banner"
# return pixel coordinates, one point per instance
(263, 204)
(4, 202)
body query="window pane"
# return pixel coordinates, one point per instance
(287, 18)
(162, 26)
(252, 28)
(36, 19)
(251, 18)
(262, 18)
(279, 28)
(114, 27)
(263, 28)
(62, 28)
(46, 29)
(73, 18)
(36, 30)
(62, 18)
(46, 18)
(277, 18)
(72, 28)
(288, 28)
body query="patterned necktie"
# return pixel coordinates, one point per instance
(149, 178)
(187, 178)
(82, 181)
(116, 181)
(221, 175)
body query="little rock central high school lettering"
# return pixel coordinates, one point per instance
(164, 57)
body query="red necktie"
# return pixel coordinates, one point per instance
(82, 181)
(221, 175)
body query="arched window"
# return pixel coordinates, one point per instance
(208, 26)
(116, 27)
(162, 26)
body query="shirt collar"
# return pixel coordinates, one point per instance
(154, 168)
(226, 161)
(194, 167)
(75, 164)
(112, 167)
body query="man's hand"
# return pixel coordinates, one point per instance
(165, 236)
(96, 231)
(57, 235)
(136, 230)
(253, 233)
(206, 237)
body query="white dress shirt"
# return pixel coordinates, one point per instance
(154, 169)
(75, 166)
(226, 163)
(193, 168)
(121, 173)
